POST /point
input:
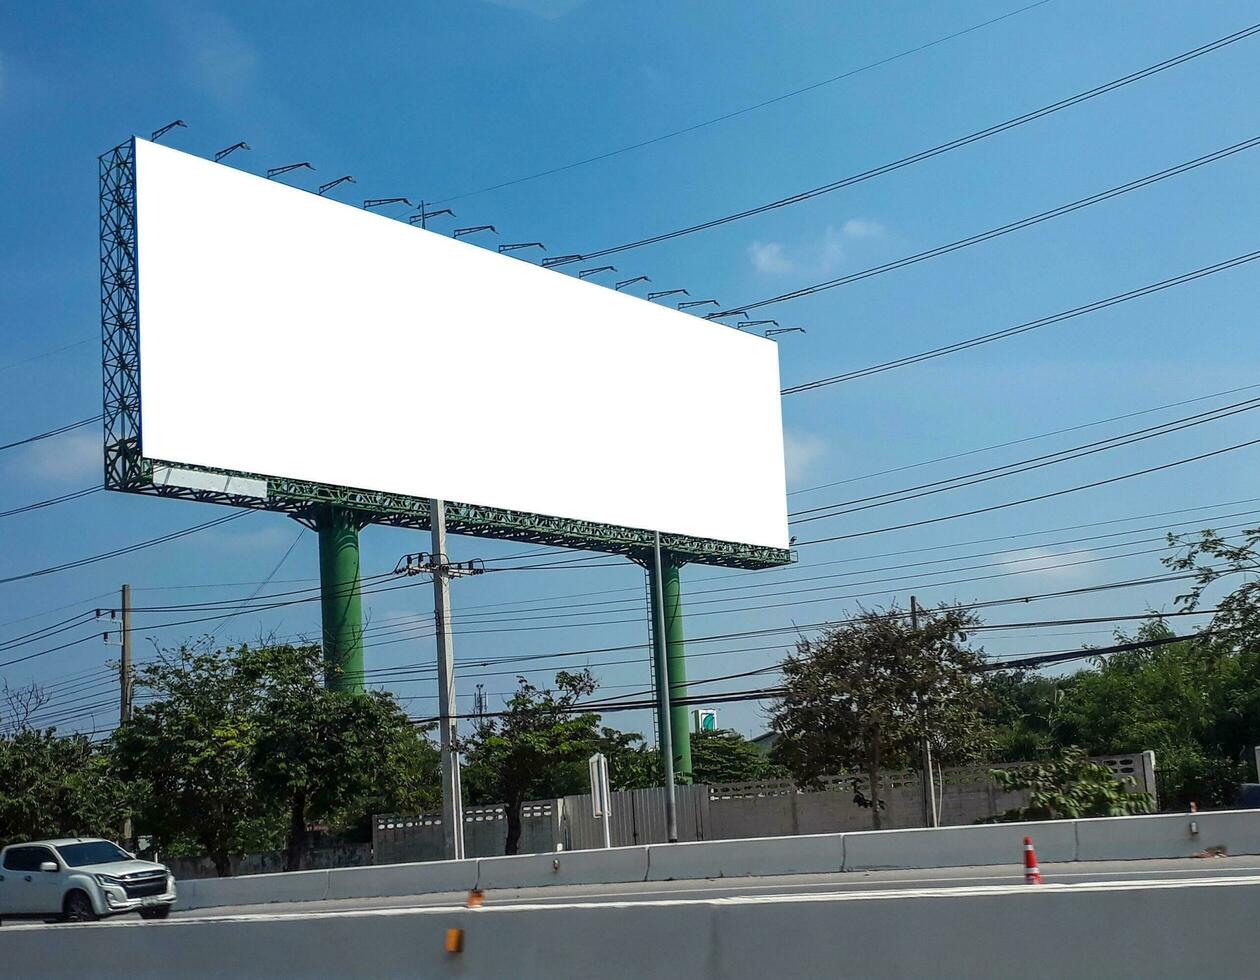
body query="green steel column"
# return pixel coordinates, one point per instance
(340, 603)
(680, 727)
(678, 720)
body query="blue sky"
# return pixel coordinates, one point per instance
(434, 100)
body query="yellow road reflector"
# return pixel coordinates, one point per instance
(454, 940)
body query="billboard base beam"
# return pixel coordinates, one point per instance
(340, 603)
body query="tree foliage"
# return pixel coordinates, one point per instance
(243, 749)
(315, 752)
(537, 748)
(186, 756)
(725, 756)
(56, 785)
(867, 692)
(1069, 787)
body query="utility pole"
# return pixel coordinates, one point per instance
(927, 781)
(665, 741)
(124, 666)
(443, 570)
(448, 726)
(125, 682)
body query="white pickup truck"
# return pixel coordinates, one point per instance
(79, 880)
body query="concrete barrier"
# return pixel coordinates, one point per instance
(813, 854)
(951, 847)
(564, 868)
(293, 886)
(1111, 838)
(1167, 835)
(1149, 930)
(402, 879)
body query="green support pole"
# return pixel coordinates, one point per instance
(340, 603)
(679, 724)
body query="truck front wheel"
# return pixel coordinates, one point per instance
(78, 908)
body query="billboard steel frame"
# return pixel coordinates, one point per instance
(126, 469)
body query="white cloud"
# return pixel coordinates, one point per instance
(863, 228)
(768, 258)
(218, 57)
(821, 256)
(275, 537)
(1049, 563)
(547, 9)
(800, 451)
(76, 456)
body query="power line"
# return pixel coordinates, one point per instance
(1023, 439)
(931, 152)
(47, 353)
(1022, 327)
(1021, 466)
(51, 501)
(1029, 500)
(998, 232)
(739, 112)
(128, 549)
(51, 432)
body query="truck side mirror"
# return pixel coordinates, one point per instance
(49, 866)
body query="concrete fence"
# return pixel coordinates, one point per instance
(1101, 839)
(731, 811)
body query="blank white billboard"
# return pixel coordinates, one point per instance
(293, 336)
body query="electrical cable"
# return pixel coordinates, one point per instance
(992, 233)
(128, 549)
(1021, 466)
(739, 112)
(51, 501)
(51, 432)
(1027, 500)
(931, 152)
(1024, 327)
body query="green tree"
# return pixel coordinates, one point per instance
(866, 693)
(725, 756)
(317, 755)
(56, 786)
(1024, 711)
(1196, 703)
(187, 756)
(1069, 787)
(535, 749)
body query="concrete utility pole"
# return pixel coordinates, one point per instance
(927, 781)
(125, 681)
(664, 721)
(448, 727)
(124, 666)
(341, 606)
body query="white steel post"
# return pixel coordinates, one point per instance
(601, 797)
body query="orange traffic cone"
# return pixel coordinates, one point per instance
(1032, 873)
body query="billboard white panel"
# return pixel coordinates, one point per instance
(289, 335)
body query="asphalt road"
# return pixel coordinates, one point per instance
(930, 879)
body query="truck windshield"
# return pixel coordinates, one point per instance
(92, 852)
